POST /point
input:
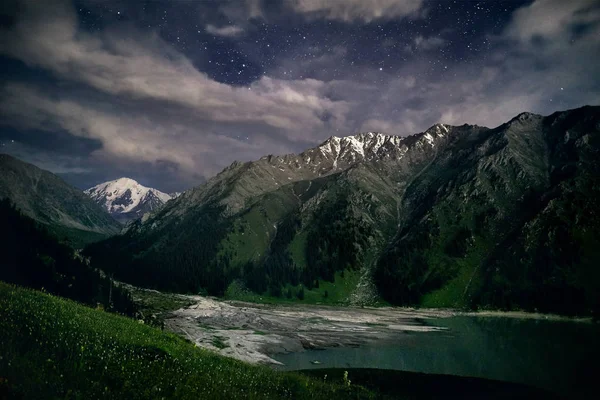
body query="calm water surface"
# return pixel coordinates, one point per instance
(562, 357)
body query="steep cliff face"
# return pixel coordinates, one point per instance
(433, 218)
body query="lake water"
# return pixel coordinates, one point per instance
(559, 356)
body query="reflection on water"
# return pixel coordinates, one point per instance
(558, 356)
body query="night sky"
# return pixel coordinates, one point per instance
(170, 92)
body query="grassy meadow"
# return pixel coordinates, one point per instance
(57, 348)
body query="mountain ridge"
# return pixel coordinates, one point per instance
(351, 206)
(45, 197)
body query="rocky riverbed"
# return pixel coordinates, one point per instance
(254, 332)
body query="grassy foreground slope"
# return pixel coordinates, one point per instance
(56, 348)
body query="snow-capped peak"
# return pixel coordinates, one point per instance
(127, 196)
(361, 143)
(362, 146)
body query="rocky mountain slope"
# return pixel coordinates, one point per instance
(43, 196)
(505, 218)
(454, 216)
(125, 199)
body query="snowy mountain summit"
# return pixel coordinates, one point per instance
(125, 199)
(342, 152)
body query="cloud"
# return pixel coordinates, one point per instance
(147, 108)
(383, 126)
(130, 137)
(551, 19)
(357, 10)
(143, 66)
(428, 43)
(536, 66)
(121, 136)
(227, 31)
(146, 104)
(49, 160)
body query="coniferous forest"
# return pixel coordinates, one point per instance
(34, 258)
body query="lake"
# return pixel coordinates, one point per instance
(559, 356)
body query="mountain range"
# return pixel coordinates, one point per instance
(460, 216)
(126, 200)
(65, 211)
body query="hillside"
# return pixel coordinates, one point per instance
(34, 258)
(454, 216)
(64, 350)
(43, 196)
(507, 219)
(125, 199)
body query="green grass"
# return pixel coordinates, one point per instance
(452, 294)
(253, 230)
(56, 348)
(455, 292)
(297, 249)
(337, 292)
(389, 384)
(155, 302)
(249, 239)
(76, 238)
(219, 343)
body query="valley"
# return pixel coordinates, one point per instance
(455, 216)
(433, 341)
(461, 254)
(299, 199)
(254, 332)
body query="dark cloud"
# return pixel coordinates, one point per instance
(169, 98)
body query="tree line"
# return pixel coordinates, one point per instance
(34, 258)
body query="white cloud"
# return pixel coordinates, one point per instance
(134, 137)
(357, 10)
(227, 31)
(148, 68)
(149, 104)
(121, 136)
(550, 19)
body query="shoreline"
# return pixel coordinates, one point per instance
(255, 332)
(527, 315)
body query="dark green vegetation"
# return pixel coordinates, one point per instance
(323, 292)
(413, 385)
(66, 211)
(153, 306)
(457, 216)
(32, 257)
(507, 219)
(54, 348)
